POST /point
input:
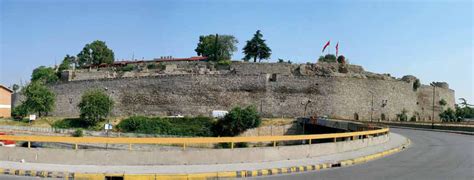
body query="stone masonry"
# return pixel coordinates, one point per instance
(276, 89)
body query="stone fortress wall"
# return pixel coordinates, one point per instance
(276, 89)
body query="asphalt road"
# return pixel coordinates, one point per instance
(432, 155)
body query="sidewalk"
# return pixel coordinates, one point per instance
(396, 142)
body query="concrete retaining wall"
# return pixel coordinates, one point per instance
(179, 157)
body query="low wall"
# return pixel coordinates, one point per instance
(181, 157)
(453, 127)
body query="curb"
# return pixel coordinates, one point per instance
(214, 175)
(434, 130)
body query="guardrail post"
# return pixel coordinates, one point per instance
(29, 144)
(335, 139)
(130, 146)
(274, 143)
(231, 145)
(75, 146)
(309, 141)
(184, 146)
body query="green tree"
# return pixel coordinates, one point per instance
(19, 112)
(39, 98)
(95, 53)
(237, 121)
(330, 58)
(44, 74)
(216, 47)
(95, 106)
(67, 63)
(256, 48)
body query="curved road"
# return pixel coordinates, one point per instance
(432, 155)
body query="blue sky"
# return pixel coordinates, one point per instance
(431, 39)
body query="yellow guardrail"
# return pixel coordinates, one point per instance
(187, 141)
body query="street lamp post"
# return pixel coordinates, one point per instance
(371, 105)
(384, 103)
(433, 116)
(304, 114)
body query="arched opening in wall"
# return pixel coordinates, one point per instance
(382, 117)
(356, 116)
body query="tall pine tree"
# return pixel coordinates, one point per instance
(256, 48)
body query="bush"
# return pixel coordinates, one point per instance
(128, 67)
(237, 121)
(95, 106)
(78, 133)
(464, 112)
(330, 58)
(403, 115)
(448, 115)
(442, 102)
(70, 123)
(341, 59)
(156, 66)
(413, 118)
(416, 84)
(187, 126)
(19, 112)
(224, 62)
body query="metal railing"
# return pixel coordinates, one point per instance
(192, 140)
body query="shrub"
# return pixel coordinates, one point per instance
(464, 112)
(448, 115)
(187, 126)
(128, 67)
(403, 115)
(95, 105)
(78, 133)
(413, 118)
(237, 121)
(341, 59)
(330, 58)
(70, 123)
(416, 84)
(224, 62)
(442, 102)
(156, 66)
(19, 112)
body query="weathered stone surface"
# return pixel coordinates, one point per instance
(277, 89)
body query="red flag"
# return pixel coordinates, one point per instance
(337, 48)
(327, 44)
